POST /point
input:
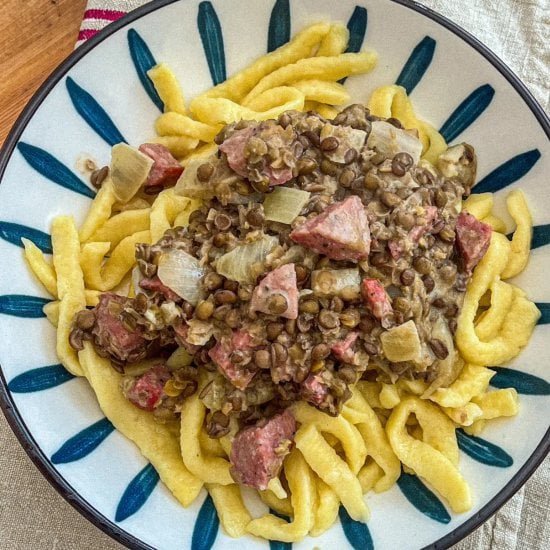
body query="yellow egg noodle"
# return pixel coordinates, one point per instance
(382, 427)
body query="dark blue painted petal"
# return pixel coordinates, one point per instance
(93, 113)
(541, 235)
(483, 451)
(20, 305)
(212, 41)
(83, 443)
(507, 173)
(356, 532)
(522, 382)
(544, 308)
(279, 25)
(137, 493)
(467, 112)
(417, 64)
(14, 232)
(143, 61)
(422, 498)
(40, 379)
(357, 26)
(206, 526)
(51, 168)
(275, 544)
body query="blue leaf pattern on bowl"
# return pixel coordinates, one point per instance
(467, 112)
(422, 498)
(417, 64)
(544, 308)
(137, 493)
(356, 532)
(212, 41)
(522, 382)
(21, 305)
(83, 443)
(41, 378)
(14, 232)
(49, 167)
(93, 113)
(508, 173)
(357, 27)
(279, 25)
(143, 61)
(541, 236)
(206, 526)
(483, 451)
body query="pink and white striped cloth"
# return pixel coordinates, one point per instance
(99, 13)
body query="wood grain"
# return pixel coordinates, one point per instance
(35, 36)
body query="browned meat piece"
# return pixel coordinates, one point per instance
(277, 293)
(222, 353)
(314, 389)
(154, 284)
(472, 239)
(343, 350)
(165, 170)
(420, 230)
(341, 232)
(147, 391)
(377, 299)
(257, 452)
(114, 337)
(234, 147)
(270, 138)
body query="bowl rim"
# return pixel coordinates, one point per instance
(7, 403)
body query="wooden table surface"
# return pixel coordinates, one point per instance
(35, 36)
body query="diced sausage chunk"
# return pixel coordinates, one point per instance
(235, 149)
(147, 391)
(165, 170)
(472, 239)
(154, 284)
(377, 299)
(343, 350)
(430, 215)
(112, 336)
(258, 452)
(341, 232)
(314, 389)
(277, 293)
(221, 354)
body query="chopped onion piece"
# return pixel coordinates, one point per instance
(129, 170)
(389, 140)
(284, 204)
(188, 184)
(239, 263)
(348, 138)
(330, 282)
(181, 273)
(199, 332)
(401, 343)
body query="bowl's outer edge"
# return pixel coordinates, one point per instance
(7, 404)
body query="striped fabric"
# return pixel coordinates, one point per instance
(99, 13)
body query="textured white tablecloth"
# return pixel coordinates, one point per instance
(33, 515)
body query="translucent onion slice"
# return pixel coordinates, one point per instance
(284, 204)
(241, 264)
(181, 273)
(129, 170)
(188, 184)
(331, 282)
(389, 140)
